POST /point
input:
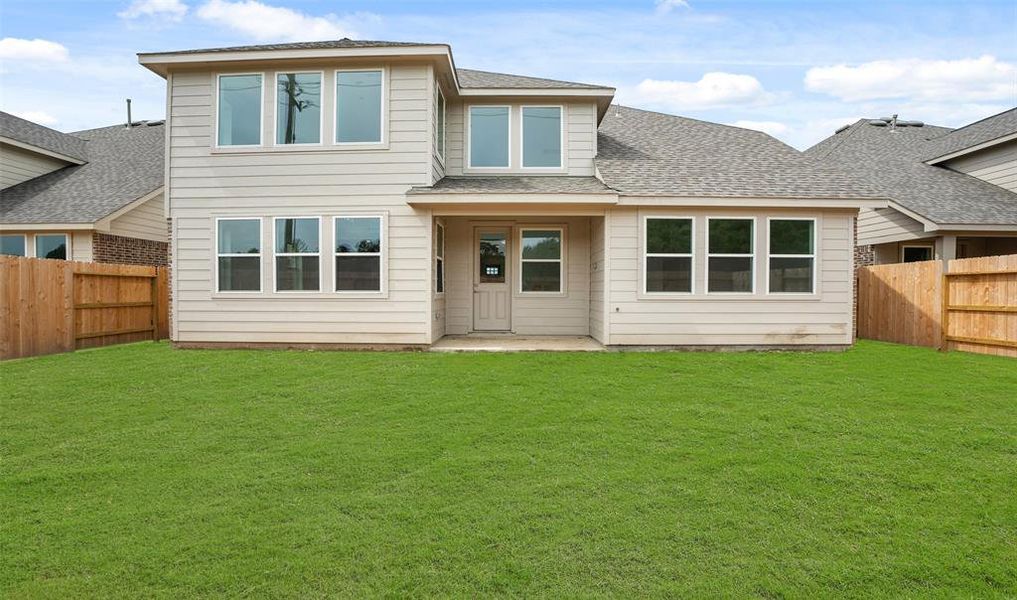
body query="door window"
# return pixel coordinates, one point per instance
(492, 257)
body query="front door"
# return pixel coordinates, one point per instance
(491, 291)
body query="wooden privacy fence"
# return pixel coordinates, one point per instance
(49, 306)
(969, 306)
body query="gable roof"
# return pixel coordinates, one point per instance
(470, 78)
(123, 165)
(975, 134)
(648, 153)
(892, 162)
(33, 134)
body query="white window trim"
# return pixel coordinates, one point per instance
(441, 258)
(814, 256)
(24, 240)
(261, 113)
(690, 255)
(444, 123)
(561, 138)
(752, 256)
(275, 254)
(382, 122)
(469, 137)
(260, 255)
(562, 252)
(929, 245)
(68, 254)
(275, 111)
(381, 254)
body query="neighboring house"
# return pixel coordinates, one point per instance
(371, 193)
(94, 196)
(953, 192)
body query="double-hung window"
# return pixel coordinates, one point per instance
(358, 106)
(668, 255)
(13, 244)
(792, 256)
(541, 133)
(440, 123)
(439, 258)
(51, 245)
(730, 261)
(358, 254)
(239, 105)
(541, 260)
(238, 255)
(489, 137)
(297, 258)
(298, 108)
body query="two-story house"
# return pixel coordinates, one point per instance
(359, 193)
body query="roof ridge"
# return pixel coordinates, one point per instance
(694, 120)
(963, 127)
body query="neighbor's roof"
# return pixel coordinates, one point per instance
(123, 165)
(892, 162)
(27, 132)
(469, 78)
(654, 154)
(515, 184)
(974, 134)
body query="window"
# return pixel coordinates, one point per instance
(730, 262)
(358, 111)
(358, 254)
(439, 259)
(540, 257)
(239, 120)
(12, 245)
(489, 137)
(297, 260)
(915, 253)
(541, 137)
(668, 255)
(440, 124)
(297, 108)
(51, 246)
(792, 255)
(238, 255)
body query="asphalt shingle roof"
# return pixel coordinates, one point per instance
(648, 153)
(892, 162)
(326, 44)
(37, 135)
(469, 78)
(123, 165)
(515, 184)
(979, 132)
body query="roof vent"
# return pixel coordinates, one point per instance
(156, 123)
(843, 128)
(879, 122)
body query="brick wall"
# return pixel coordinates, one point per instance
(108, 248)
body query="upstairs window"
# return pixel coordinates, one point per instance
(489, 137)
(358, 110)
(51, 246)
(12, 245)
(541, 259)
(668, 255)
(238, 255)
(542, 137)
(239, 118)
(358, 254)
(792, 255)
(297, 262)
(730, 264)
(297, 108)
(440, 124)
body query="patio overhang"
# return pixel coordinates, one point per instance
(514, 204)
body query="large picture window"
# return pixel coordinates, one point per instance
(668, 255)
(297, 259)
(358, 107)
(297, 108)
(489, 137)
(541, 260)
(239, 118)
(51, 245)
(541, 137)
(13, 244)
(358, 254)
(730, 264)
(792, 256)
(439, 258)
(238, 255)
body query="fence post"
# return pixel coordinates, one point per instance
(155, 305)
(944, 316)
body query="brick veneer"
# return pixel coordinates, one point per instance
(107, 248)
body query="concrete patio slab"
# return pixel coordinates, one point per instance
(515, 343)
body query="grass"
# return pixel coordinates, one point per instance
(145, 471)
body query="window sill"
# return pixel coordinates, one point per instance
(299, 295)
(727, 297)
(301, 148)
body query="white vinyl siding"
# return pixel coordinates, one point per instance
(997, 165)
(18, 165)
(146, 221)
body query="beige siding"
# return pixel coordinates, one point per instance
(996, 165)
(322, 183)
(146, 221)
(597, 266)
(877, 226)
(18, 165)
(704, 319)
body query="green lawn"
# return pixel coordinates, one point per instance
(142, 470)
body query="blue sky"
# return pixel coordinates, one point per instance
(796, 69)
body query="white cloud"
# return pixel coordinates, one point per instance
(774, 128)
(36, 116)
(272, 23)
(713, 90)
(32, 50)
(174, 10)
(968, 79)
(666, 6)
